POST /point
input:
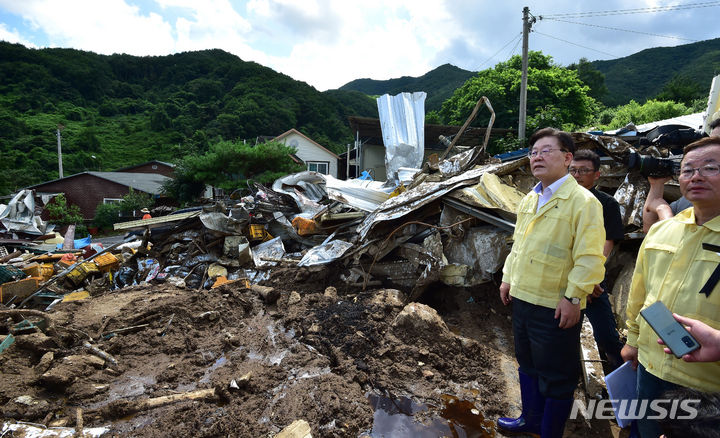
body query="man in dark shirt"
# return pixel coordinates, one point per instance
(585, 167)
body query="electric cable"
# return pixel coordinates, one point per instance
(622, 30)
(648, 10)
(518, 36)
(575, 44)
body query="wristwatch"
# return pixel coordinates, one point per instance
(574, 300)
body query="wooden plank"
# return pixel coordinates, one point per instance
(156, 221)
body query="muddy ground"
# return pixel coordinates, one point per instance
(349, 362)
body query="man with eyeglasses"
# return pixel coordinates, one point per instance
(555, 262)
(656, 208)
(585, 167)
(678, 264)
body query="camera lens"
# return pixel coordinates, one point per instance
(688, 341)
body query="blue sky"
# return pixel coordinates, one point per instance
(328, 43)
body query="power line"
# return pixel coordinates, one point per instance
(622, 30)
(516, 37)
(575, 44)
(648, 10)
(512, 52)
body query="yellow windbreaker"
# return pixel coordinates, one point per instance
(673, 267)
(558, 250)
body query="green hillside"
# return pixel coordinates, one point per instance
(121, 110)
(642, 75)
(439, 84)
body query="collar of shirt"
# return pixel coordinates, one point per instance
(544, 194)
(688, 217)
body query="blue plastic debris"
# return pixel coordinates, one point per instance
(9, 339)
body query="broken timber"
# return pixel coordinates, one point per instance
(156, 221)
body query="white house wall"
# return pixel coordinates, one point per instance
(307, 151)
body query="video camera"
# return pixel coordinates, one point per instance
(652, 166)
(672, 138)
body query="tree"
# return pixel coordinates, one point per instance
(633, 112)
(591, 77)
(135, 201)
(550, 87)
(106, 215)
(230, 165)
(682, 89)
(62, 213)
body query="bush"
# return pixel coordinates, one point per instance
(135, 201)
(81, 231)
(62, 213)
(106, 215)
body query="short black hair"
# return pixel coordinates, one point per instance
(705, 141)
(588, 155)
(715, 123)
(707, 422)
(566, 141)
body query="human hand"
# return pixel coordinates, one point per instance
(658, 181)
(505, 293)
(568, 313)
(630, 353)
(597, 291)
(708, 337)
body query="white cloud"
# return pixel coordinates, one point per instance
(13, 36)
(328, 43)
(109, 26)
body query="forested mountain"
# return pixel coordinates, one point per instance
(120, 110)
(644, 74)
(439, 84)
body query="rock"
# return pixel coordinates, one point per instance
(45, 362)
(38, 341)
(212, 315)
(26, 407)
(428, 374)
(389, 298)
(298, 429)
(294, 298)
(331, 292)
(217, 270)
(177, 282)
(71, 368)
(418, 321)
(267, 293)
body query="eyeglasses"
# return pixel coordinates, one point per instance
(542, 153)
(706, 170)
(580, 171)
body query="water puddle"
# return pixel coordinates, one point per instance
(130, 386)
(218, 363)
(403, 417)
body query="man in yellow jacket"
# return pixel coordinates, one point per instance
(555, 262)
(675, 265)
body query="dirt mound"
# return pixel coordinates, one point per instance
(314, 354)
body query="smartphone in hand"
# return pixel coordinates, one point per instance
(672, 333)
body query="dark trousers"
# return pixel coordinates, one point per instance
(601, 316)
(650, 388)
(546, 351)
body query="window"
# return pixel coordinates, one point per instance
(112, 200)
(318, 166)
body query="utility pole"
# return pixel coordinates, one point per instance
(527, 25)
(60, 169)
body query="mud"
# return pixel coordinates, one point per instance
(318, 353)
